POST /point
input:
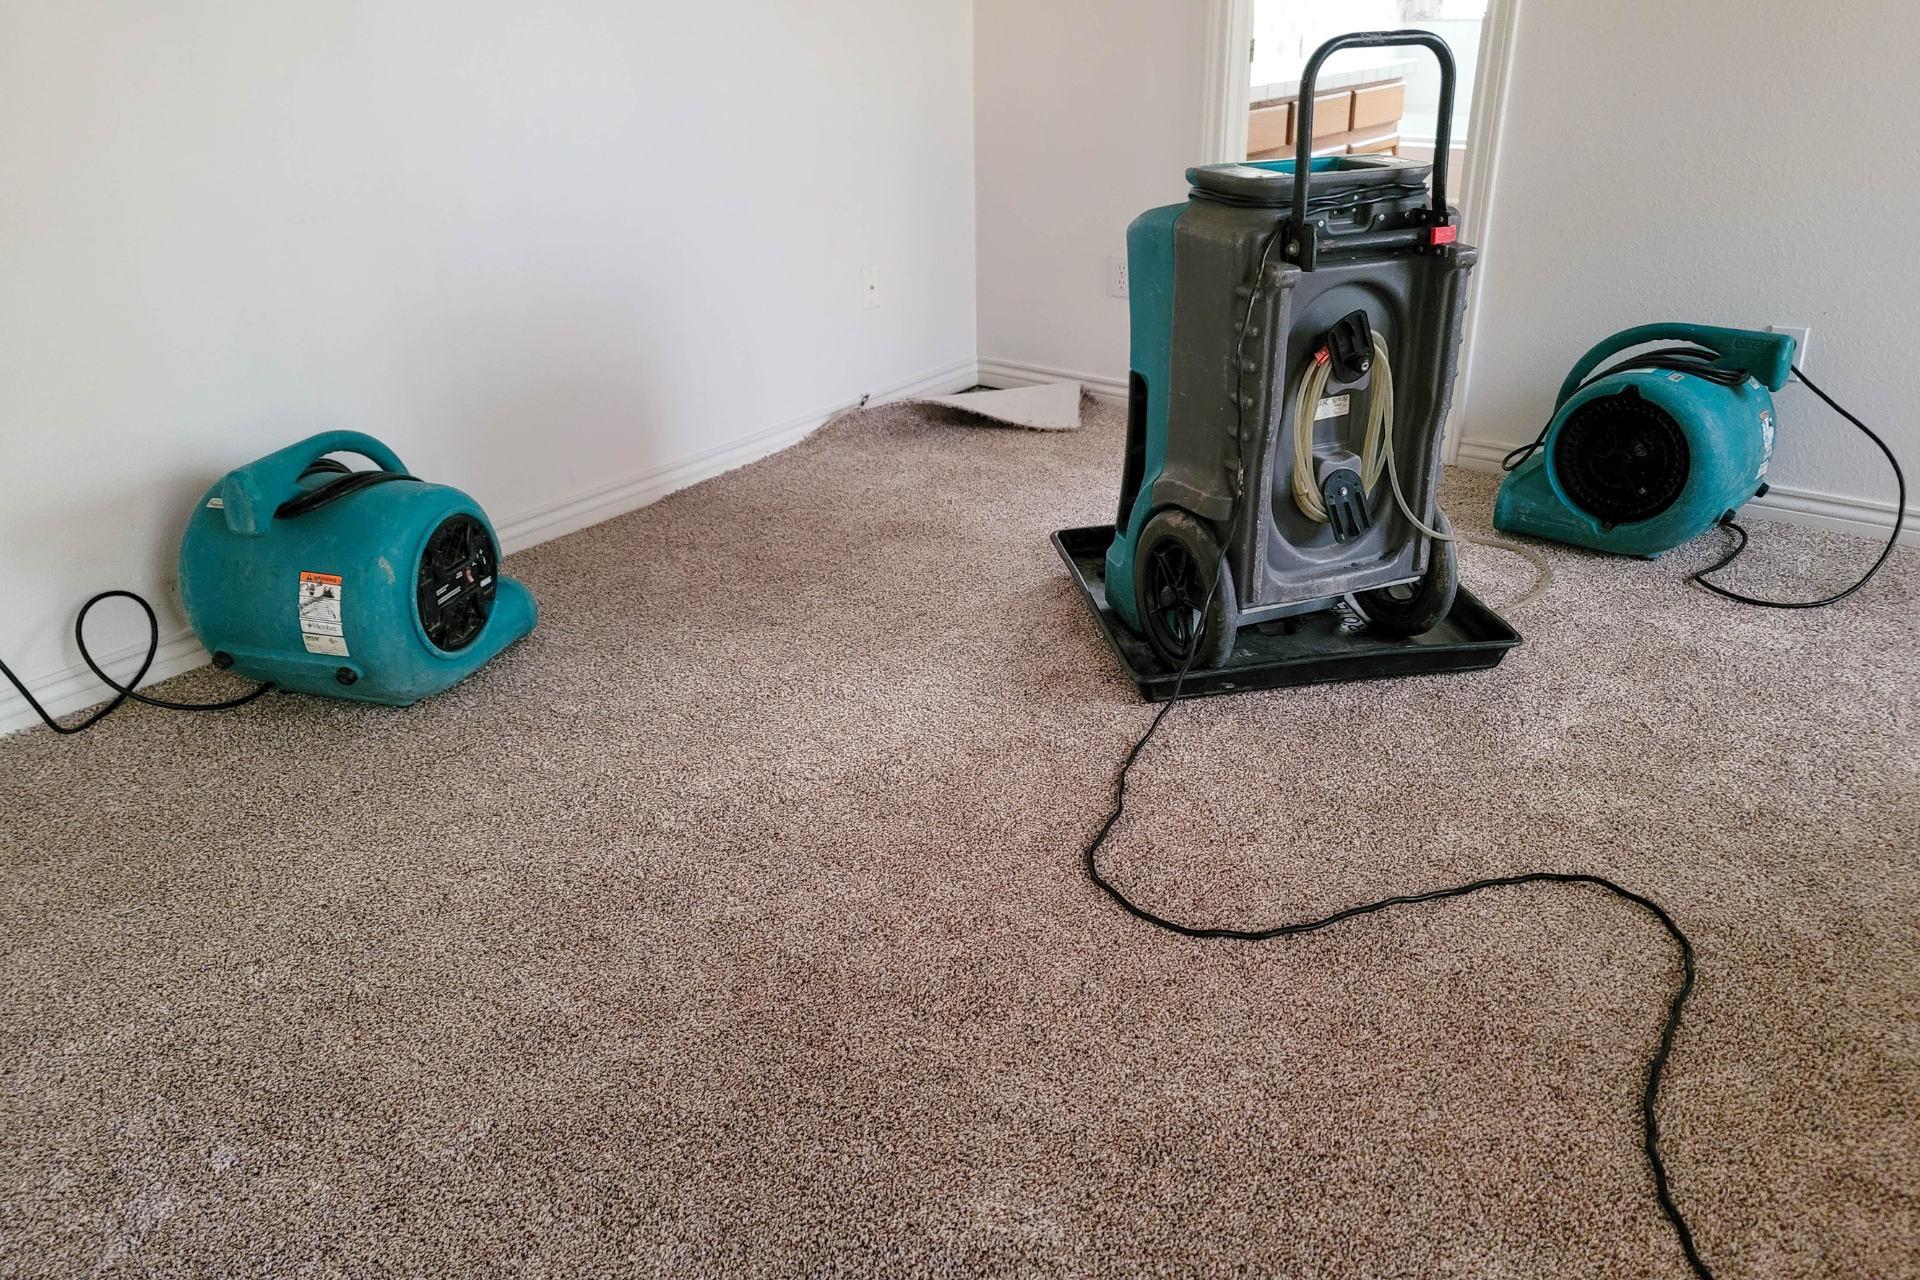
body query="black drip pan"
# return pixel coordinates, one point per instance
(1312, 648)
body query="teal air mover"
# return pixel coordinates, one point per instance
(1655, 450)
(371, 585)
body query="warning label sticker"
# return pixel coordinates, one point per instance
(321, 624)
(1332, 407)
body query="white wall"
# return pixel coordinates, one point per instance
(562, 254)
(1088, 113)
(1722, 161)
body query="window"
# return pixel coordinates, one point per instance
(1397, 103)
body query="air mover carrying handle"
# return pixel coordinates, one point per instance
(1305, 243)
(1767, 356)
(251, 493)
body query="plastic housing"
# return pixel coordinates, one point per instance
(1729, 433)
(240, 579)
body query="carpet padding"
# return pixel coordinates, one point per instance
(733, 924)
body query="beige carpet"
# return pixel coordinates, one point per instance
(733, 924)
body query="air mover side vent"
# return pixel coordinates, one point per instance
(1621, 459)
(459, 575)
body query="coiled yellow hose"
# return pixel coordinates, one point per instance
(1376, 453)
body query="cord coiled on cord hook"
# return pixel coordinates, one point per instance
(1376, 455)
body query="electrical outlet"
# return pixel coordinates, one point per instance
(1802, 339)
(869, 288)
(1117, 277)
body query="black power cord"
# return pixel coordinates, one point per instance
(1649, 1096)
(1899, 521)
(121, 691)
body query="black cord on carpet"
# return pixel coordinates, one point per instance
(1649, 1095)
(121, 691)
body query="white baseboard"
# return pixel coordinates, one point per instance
(1480, 455)
(1017, 373)
(1865, 517)
(75, 687)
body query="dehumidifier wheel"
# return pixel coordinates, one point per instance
(1414, 607)
(1176, 566)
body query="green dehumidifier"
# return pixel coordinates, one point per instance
(1295, 330)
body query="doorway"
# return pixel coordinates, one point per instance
(1394, 93)
(1380, 101)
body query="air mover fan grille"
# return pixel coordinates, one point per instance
(1621, 459)
(459, 576)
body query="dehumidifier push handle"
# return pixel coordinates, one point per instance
(1303, 125)
(250, 494)
(1767, 356)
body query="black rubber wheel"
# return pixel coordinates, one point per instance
(1415, 607)
(1176, 566)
